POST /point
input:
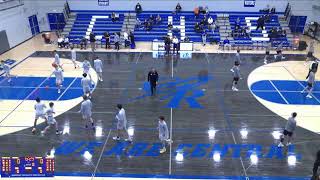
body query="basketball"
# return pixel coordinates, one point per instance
(54, 65)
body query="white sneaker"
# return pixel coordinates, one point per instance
(289, 143)
(33, 130)
(309, 96)
(59, 91)
(280, 145)
(116, 138)
(302, 91)
(235, 89)
(42, 132)
(169, 141)
(231, 70)
(265, 62)
(101, 80)
(128, 140)
(58, 133)
(163, 150)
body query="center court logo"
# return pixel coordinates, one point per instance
(179, 90)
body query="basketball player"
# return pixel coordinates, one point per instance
(59, 77)
(163, 133)
(237, 59)
(57, 59)
(121, 124)
(86, 68)
(74, 57)
(268, 48)
(288, 130)
(86, 111)
(236, 75)
(50, 120)
(85, 83)
(310, 50)
(311, 82)
(98, 67)
(40, 113)
(6, 70)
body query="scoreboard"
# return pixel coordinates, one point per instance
(27, 167)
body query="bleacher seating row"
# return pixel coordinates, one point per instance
(102, 25)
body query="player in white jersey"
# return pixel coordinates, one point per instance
(50, 120)
(74, 57)
(6, 70)
(40, 113)
(121, 124)
(163, 134)
(310, 83)
(86, 68)
(59, 77)
(57, 59)
(86, 111)
(98, 66)
(85, 83)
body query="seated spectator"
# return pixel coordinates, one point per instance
(66, 42)
(196, 12)
(60, 42)
(148, 26)
(267, 18)
(197, 27)
(226, 43)
(178, 8)
(138, 23)
(206, 11)
(83, 43)
(186, 39)
(247, 32)
(158, 19)
(210, 20)
(170, 26)
(237, 24)
(114, 16)
(138, 8)
(279, 32)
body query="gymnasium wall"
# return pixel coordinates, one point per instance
(187, 5)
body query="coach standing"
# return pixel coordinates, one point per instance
(153, 80)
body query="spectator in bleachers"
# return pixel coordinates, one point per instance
(83, 43)
(107, 37)
(186, 39)
(148, 25)
(273, 10)
(197, 27)
(66, 42)
(60, 42)
(204, 37)
(114, 17)
(138, 23)
(247, 32)
(196, 12)
(260, 23)
(226, 44)
(116, 40)
(138, 8)
(132, 41)
(170, 26)
(267, 18)
(158, 19)
(206, 11)
(175, 42)
(167, 44)
(237, 24)
(92, 39)
(178, 8)
(126, 39)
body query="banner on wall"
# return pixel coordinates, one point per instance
(103, 2)
(249, 3)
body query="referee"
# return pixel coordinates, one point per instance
(153, 80)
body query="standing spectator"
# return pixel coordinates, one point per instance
(196, 12)
(126, 39)
(153, 80)
(167, 43)
(178, 8)
(138, 8)
(316, 164)
(116, 40)
(268, 48)
(260, 23)
(107, 37)
(132, 41)
(92, 39)
(204, 37)
(310, 50)
(83, 43)
(175, 42)
(288, 130)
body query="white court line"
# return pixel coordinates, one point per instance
(66, 89)
(138, 58)
(278, 92)
(171, 124)
(103, 148)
